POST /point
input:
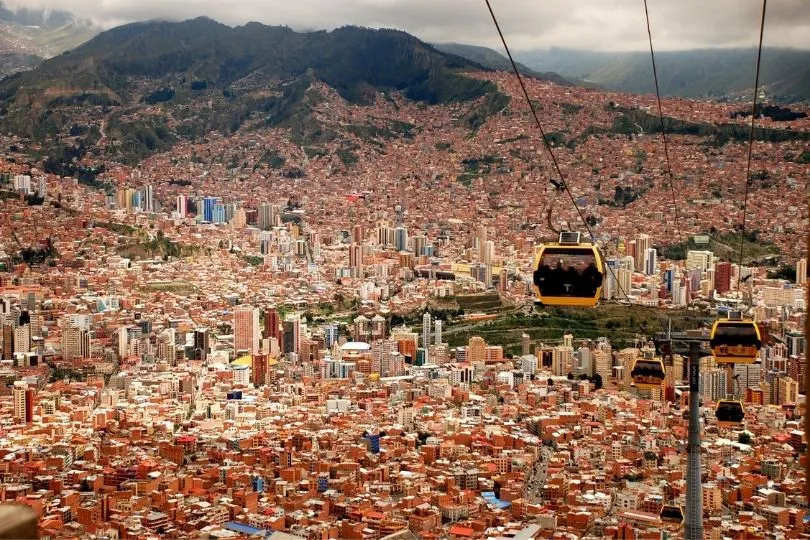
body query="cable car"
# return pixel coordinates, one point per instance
(672, 513)
(569, 272)
(729, 412)
(648, 371)
(735, 340)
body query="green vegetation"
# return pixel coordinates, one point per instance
(620, 323)
(118, 228)
(253, 260)
(347, 155)
(159, 96)
(725, 246)
(159, 246)
(177, 287)
(474, 167)
(34, 256)
(785, 271)
(490, 105)
(622, 196)
(273, 159)
(650, 123)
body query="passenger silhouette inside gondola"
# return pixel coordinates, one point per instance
(541, 276)
(592, 279)
(557, 279)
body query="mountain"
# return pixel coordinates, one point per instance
(203, 76)
(29, 35)
(700, 73)
(494, 60)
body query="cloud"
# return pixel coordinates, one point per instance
(528, 24)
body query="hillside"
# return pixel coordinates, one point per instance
(211, 76)
(492, 59)
(701, 73)
(27, 36)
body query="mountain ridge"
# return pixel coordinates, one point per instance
(725, 74)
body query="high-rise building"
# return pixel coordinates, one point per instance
(23, 397)
(272, 324)
(292, 334)
(401, 238)
(265, 218)
(642, 245)
(801, 271)
(699, 259)
(246, 335)
(330, 335)
(437, 332)
(356, 259)
(624, 283)
(22, 338)
(181, 205)
(426, 322)
(201, 344)
(562, 358)
(75, 343)
(208, 208)
(651, 262)
(525, 344)
(476, 350)
(714, 384)
(482, 240)
(722, 277)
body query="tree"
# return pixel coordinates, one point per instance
(550, 381)
(570, 376)
(597, 381)
(744, 438)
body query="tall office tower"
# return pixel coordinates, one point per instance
(330, 335)
(562, 358)
(631, 251)
(201, 344)
(624, 283)
(488, 252)
(75, 343)
(22, 338)
(385, 236)
(601, 362)
(679, 293)
(642, 245)
(722, 277)
(42, 186)
(418, 244)
(437, 332)
(181, 204)
(292, 334)
(426, 321)
(208, 208)
(218, 214)
(401, 239)
(801, 271)
(259, 369)
(482, 240)
(745, 376)
(23, 397)
(714, 384)
(148, 198)
(356, 259)
(272, 324)
(246, 335)
(362, 328)
(651, 262)
(378, 327)
(358, 234)
(525, 344)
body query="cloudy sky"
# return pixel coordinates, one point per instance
(528, 24)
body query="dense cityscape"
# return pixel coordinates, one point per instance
(245, 336)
